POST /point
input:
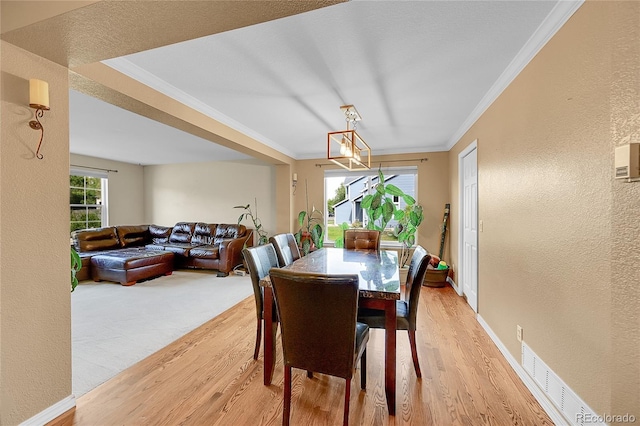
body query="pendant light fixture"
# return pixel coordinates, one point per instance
(346, 148)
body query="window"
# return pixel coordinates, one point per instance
(87, 200)
(345, 190)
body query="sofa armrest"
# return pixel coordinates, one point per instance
(230, 252)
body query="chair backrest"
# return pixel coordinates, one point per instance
(361, 239)
(318, 320)
(286, 248)
(259, 260)
(417, 269)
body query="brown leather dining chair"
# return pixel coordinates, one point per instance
(259, 261)
(286, 248)
(319, 329)
(361, 239)
(407, 309)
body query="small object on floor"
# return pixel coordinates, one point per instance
(442, 265)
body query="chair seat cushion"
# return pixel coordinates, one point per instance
(205, 252)
(374, 318)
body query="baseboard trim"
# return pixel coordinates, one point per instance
(538, 394)
(52, 412)
(455, 286)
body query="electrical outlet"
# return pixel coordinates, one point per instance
(519, 333)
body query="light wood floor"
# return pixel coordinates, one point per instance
(209, 377)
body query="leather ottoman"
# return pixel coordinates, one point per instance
(128, 266)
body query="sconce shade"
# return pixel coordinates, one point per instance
(38, 94)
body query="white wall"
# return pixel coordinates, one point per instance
(125, 189)
(207, 192)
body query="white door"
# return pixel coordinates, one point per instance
(469, 213)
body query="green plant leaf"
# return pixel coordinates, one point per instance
(398, 215)
(408, 199)
(387, 210)
(376, 202)
(241, 207)
(380, 176)
(380, 189)
(301, 217)
(366, 201)
(394, 190)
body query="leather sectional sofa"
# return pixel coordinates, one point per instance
(127, 254)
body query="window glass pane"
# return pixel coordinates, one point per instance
(93, 197)
(344, 193)
(94, 225)
(77, 196)
(76, 181)
(94, 183)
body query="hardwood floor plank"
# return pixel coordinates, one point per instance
(209, 377)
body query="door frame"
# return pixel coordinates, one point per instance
(473, 145)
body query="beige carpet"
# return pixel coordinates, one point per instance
(113, 327)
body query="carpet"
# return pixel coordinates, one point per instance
(113, 327)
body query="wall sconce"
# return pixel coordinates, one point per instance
(38, 100)
(294, 183)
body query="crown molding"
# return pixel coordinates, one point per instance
(130, 69)
(559, 15)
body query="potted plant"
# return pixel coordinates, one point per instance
(263, 237)
(380, 209)
(311, 232)
(76, 264)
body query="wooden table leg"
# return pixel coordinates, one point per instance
(270, 328)
(390, 355)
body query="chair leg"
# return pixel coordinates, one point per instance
(363, 370)
(347, 397)
(414, 352)
(286, 410)
(256, 351)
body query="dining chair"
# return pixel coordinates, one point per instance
(361, 239)
(319, 329)
(259, 261)
(286, 248)
(407, 309)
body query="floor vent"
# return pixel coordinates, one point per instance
(563, 398)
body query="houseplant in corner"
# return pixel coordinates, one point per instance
(76, 264)
(263, 237)
(311, 232)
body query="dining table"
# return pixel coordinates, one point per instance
(379, 281)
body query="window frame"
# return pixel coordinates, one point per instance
(102, 207)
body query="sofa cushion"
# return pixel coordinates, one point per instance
(159, 234)
(95, 239)
(203, 234)
(133, 236)
(181, 249)
(226, 231)
(182, 232)
(205, 252)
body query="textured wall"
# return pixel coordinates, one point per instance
(625, 229)
(35, 311)
(208, 192)
(125, 189)
(555, 221)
